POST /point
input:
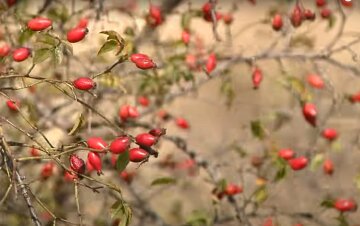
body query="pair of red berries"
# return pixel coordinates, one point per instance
(128, 112)
(297, 163)
(142, 61)
(206, 9)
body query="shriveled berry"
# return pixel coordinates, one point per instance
(84, 83)
(309, 15)
(21, 54)
(13, 105)
(330, 134)
(120, 144)
(211, 63)
(286, 154)
(146, 139)
(298, 163)
(96, 143)
(77, 164)
(182, 123)
(328, 167)
(39, 23)
(277, 22)
(138, 155)
(310, 113)
(345, 205)
(257, 77)
(76, 34)
(95, 161)
(158, 132)
(315, 81)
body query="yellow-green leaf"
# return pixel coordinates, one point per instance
(41, 55)
(122, 161)
(163, 180)
(108, 46)
(78, 123)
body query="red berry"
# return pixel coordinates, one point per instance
(77, 34)
(347, 3)
(158, 132)
(182, 123)
(315, 81)
(95, 161)
(252, 2)
(120, 145)
(185, 37)
(84, 83)
(113, 159)
(325, 13)
(345, 205)
(83, 23)
(47, 170)
(145, 139)
(39, 23)
(145, 64)
(268, 222)
(89, 167)
(10, 2)
(310, 113)
(77, 164)
(257, 77)
(228, 18)
(13, 105)
(144, 101)
(127, 111)
(126, 176)
(277, 22)
(34, 152)
(233, 189)
(4, 50)
(138, 56)
(191, 61)
(69, 176)
(355, 98)
(155, 15)
(328, 167)
(321, 3)
(96, 143)
(286, 154)
(296, 16)
(211, 63)
(298, 163)
(138, 155)
(206, 8)
(309, 15)
(330, 134)
(21, 54)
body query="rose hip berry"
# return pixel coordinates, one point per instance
(120, 145)
(13, 105)
(325, 13)
(47, 170)
(347, 3)
(330, 134)
(277, 22)
(233, 189)
(286, 154)
(126, 111)
(34, 152)
(328, 167)
(298, 163)
(77, 164)
(345, 205)
(257, 77)
(95, 161)
(138, 155)
(83, 23)
(228, 18)
(145, 139)
(69, 176)
(315, 81)
(211, 63)
(138, 56)
(185, 37)
(155, 16)
(158, 132)
(84, 83)
(309, 15)
(39, 23)
(4, 50)
(182, 123)
(321, 3)
(96, 143)
(310, 113)
(143, 101)
(296, 16)
(76, 34)
(21, 54)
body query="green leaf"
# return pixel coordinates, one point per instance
(113, 35)
(78, 123)
(163, 181)
(25, 35)
(280, 174)
(332, 21)
(186, 20)
(46, 39)
(316, 161)
(121, 209)
(198, 218)
(257, 129)
(41, 55)
(327, 203)
(108, 46)
(58, 55)
(122, 161)
(261, 194)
